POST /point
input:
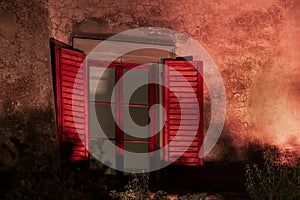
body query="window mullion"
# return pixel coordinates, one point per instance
(119, 115)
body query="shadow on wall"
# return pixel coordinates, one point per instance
(225, 150)
(225, 173)
(28, 141)
(26, 145)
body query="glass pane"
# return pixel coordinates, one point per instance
(131, 137)
(140, 117)
(135, 92)
(102, 151)
(102, 118)
(130, 159)
(101, 88)
(136, 147)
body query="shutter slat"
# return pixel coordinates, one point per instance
(73, 96)
(73, 102)
(186, 161)
(182, 133)
(184, 89)
(72, 85)
(72, 79)
(72, 90)
(183, 79)
(79, 138)
(183, 106)
(75, 64)
(182, 127)
(185, 155)
(183, 144)
(74, 125)
(184, 100)
(72, 55)
(183, 138)
(72, 68)
(72, 74)
(75, 141)
(73, 108)
(184, 122)
(177, 148)
(182, 95)
(72, 130)
(78, 154)
(72, 119)
(72, 114)
(185, 86)
(183, 111)
(182, 68)
(178, 116)
(184, 73)
(78, 148)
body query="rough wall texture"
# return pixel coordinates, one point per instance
(254, 44)
(27, 123)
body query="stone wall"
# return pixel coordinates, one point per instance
(254, 44)
(27, 117)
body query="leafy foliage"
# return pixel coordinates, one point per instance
(198, 196)
(278, 178)
(161, 195)
(136, 189)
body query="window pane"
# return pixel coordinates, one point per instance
(136, 147)
(133, 79)
(101, 151)
(129, 159)
(101, 88)
(104, 118)
(139, 116)
(130, 137)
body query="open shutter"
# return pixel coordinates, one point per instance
(183, 78)
(71, 104)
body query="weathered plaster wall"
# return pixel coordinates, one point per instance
(27, 123)
(254, 44)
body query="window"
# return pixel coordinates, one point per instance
(74, 100)
(102, 100)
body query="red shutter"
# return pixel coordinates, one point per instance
(184, 82)
(71, 104)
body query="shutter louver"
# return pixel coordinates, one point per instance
(183, 78)
(72, 104)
